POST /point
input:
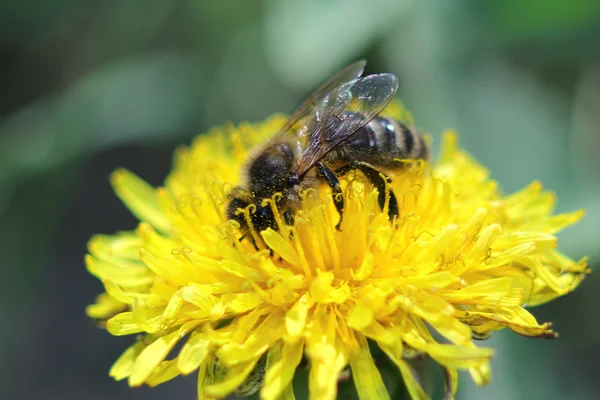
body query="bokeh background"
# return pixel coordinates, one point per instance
(88, 86)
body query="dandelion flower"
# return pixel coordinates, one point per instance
(462, 261)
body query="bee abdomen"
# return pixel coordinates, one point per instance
(396, 137)
(383, 140)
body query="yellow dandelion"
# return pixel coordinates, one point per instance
(461, 262)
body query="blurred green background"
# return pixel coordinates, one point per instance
(88, 86)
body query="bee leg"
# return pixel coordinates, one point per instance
(240, 239)
(251, 241)
(378, 180)
(336, 190)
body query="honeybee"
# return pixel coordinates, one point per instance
(336, 130)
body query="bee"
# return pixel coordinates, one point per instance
(336, 130)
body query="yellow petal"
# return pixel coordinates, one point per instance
(323, 292)
(450, 382)
(122, 368)
(254, 381)
(243, 326)
(198, 297)
(164, 268)
(151, 357)
(458, 356)
(122, 248)
(123, 324)
(525, 324)
(241, 271)
(453, 330)
(211, 372)
(365, 268)
(449, 146)
(262, 336)
(481, 374)
(118, 294)
(282, 360)
(523, 196)
(326, 363)
(193, 353)
(295, 318)
(129, 276)
(241, 302)
(544, 273)
(360, 317)
(166, 371)
(554, 223)
(506, 256)
(385, 335)
(438, 244)
(542, 241)
(519, 320)
(489, 288)
(140, 198)
(411, 379)
(281, 247)
(434, 280)
(288, 393)
(367, 378)
(487, 236)
(327, 356)
(423, 304)
(105, 307)
(231, 379)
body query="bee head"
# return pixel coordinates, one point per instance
(272, 170)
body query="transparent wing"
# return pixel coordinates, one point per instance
(306, 111)
(343, 111)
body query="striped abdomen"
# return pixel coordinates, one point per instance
(381, 142)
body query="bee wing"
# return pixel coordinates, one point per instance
(307, 109)
(343, 111)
